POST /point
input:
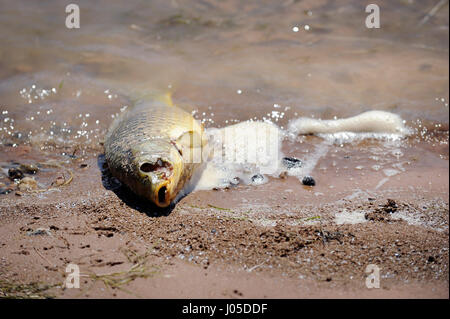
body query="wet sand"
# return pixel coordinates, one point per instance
(379, 202)
(231, 243)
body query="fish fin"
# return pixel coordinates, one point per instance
(165, 98)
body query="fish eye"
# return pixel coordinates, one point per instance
(161, 167)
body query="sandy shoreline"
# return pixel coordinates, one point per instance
(244, 242)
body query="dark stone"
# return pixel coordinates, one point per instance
(15, 173)
(308, 181)
(29, 168)
(5, 190)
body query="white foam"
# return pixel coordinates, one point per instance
(350, 217)
(239, 152)
(390, 172)
(382, 182)
(371, 124)
(242, 153)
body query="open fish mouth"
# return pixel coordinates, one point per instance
(162, 195)
(160, 173)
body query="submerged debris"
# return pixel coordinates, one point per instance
(5, 190)
(62, 180)
(59, 181)
(29, 168)
(27, 184)
(15, 173)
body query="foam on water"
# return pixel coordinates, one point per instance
(249, 151)
(371, 124)
(242, 153)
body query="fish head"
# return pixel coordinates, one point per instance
(158, 167)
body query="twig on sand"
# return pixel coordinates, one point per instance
(32, 290)
(432, 12)
(43, 257)
(67, 182)
(256, 266)
(220, 208)
(117, 280)
(54, 186)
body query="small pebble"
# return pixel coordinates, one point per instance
(292, 162)
(235, 181)
(257, 179)
(308, 181)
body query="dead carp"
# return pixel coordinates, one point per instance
(153, 149)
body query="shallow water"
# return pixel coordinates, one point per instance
(227, 62)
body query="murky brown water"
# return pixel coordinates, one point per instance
(226, 61)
